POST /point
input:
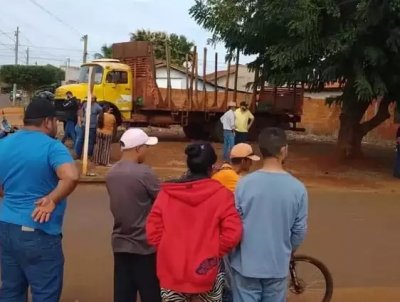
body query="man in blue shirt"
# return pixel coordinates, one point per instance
(274, 209)
(37, 174)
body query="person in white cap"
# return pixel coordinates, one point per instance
(133, 187)
(228, 124)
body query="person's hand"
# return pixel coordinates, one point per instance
(44, 207)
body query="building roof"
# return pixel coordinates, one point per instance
(220, 74)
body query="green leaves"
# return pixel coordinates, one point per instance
(179, 45)
(31, 77)
(356, 43)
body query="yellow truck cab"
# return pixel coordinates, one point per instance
(113, 85)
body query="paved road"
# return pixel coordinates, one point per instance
(354, 233)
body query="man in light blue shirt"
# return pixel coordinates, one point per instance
(274, 209)
(228, 124)
(37, 173)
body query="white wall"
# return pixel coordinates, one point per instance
(178, 80)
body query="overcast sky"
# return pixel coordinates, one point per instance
(53, 32)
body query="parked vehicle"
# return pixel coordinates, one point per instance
(128, 84)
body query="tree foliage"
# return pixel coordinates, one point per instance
(31, 77)
(179, 45)
(352, 42)
(106, 52)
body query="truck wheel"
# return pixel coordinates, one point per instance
(218, 132)
(195, 132)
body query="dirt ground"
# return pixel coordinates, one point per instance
(311, 159)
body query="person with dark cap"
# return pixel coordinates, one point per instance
(244, 119)
(71, 107)
(133, 187)
(36, 176)
(192, 225)
(273, 206)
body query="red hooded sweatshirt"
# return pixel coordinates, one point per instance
(192, 225)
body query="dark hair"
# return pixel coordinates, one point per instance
(243, 104)
(200, 158)
(36, 122)
(271, 140)
(69, 93)
(100, 119)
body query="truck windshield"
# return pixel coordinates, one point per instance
(84, 74)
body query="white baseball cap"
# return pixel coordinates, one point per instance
(135, 137)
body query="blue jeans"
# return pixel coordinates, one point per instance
(30, 258)
(229, 142)
(396, 172)
(80, 138)
(69, 131)
(258, 290)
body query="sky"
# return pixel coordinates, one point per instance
(52, 29)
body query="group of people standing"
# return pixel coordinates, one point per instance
(236, 123)
(209, 235)
(206, 236)
(102, 128)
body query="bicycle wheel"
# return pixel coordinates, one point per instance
(309, 280)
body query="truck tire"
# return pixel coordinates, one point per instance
(218, 132)
(196, 132)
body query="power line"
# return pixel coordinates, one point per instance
(7, 35)
(55, 17)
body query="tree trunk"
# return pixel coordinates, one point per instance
(352, 131)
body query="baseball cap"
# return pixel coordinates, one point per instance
(135, 137)
(244, 151)
(40, 108)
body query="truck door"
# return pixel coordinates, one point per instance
(118, 89)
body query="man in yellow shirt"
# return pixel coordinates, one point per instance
(242, 157)
(244, 119)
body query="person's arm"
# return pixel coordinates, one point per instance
(299, 228)
(232, 120)
(154, 224)
(251, 118)
(67, 172)
(152, 184)
(231, 225)
(67, 104)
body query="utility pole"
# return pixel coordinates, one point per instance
(27, 56)
(85, 45)
(68, 63)
(16, 63)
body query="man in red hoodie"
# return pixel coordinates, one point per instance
(193, 224)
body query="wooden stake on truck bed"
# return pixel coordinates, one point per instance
(196, 75)
(215, 81)
(227, 85)
(168, 57)
(236, 75)
(187, 82)
(192, 77)
(205, 100)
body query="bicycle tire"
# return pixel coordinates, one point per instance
(324, 270)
